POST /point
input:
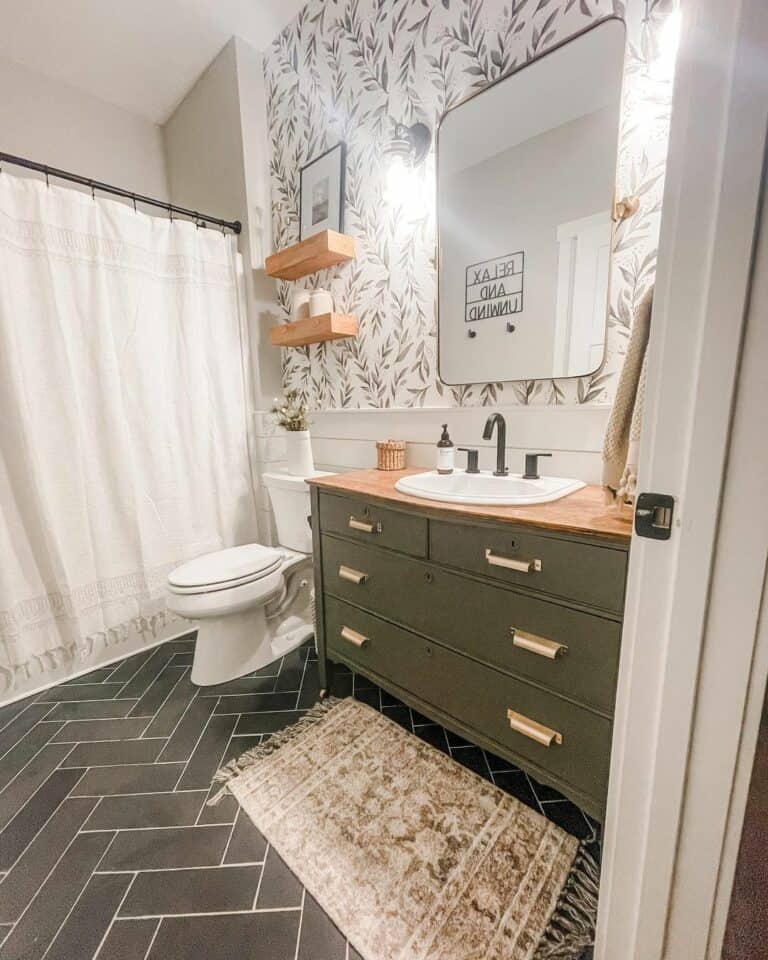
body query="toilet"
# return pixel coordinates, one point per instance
(251, 604)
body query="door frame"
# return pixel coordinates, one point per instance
(706, 250)
(734, 664)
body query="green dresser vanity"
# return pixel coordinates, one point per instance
(501, 623)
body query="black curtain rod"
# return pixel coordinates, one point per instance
(93, 185)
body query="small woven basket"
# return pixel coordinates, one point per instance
(390, 454)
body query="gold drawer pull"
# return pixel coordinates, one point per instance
(540, 645)
(364, 526)
(353, 576)
(532, 730)
(522, 566)
(353, 637)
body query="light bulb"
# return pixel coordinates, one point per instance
(662, 67)
(397, 181)
(404, 189)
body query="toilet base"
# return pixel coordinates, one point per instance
(239, 643)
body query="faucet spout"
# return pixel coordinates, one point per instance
(496, 420)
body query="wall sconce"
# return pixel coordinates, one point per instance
(410, 144)
(407, 150)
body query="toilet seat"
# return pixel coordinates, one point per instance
(225, 569)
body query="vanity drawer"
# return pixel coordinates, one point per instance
(479, 619)
(583, 572)
(479, 698)
(369, 523)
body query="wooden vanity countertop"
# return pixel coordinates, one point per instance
(584, 511)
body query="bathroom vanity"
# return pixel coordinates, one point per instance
(501, 623)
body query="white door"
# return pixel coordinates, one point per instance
(657, 900)
(584, 250)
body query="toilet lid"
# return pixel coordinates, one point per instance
(243, 564)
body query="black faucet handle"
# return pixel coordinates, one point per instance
(532, 465)
(472, 456)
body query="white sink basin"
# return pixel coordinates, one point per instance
(486, 489)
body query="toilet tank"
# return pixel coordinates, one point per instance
(289, 496)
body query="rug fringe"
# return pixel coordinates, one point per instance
(571, 927)
(237, 766)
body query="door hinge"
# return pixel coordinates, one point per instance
(653, 515)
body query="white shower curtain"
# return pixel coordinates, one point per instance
(123, 411)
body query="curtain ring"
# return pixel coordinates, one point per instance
(134, 203)
(93, 190)
(47, 180)
(170, 213)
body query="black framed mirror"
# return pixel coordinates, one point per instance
(526, 172)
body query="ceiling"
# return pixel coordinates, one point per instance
(142, 55)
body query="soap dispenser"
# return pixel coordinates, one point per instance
(446, 452)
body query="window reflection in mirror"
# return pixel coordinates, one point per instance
(526, 175)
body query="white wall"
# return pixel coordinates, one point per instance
(203, 143)
(216, 153)
(262, 290)
(49, 122)
(215, 144)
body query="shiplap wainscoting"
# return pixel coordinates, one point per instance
(345, 440)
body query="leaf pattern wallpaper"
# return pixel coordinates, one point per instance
(345, 70)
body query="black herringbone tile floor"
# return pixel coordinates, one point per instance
(107, 847)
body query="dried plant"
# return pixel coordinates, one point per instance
(291, 412)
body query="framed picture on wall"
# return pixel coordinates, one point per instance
(321, 193)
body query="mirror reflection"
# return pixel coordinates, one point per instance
(526, 174)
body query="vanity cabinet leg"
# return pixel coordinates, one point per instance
(325, 671)
(324, 665)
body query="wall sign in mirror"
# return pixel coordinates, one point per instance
(494, 288)
(525, 191)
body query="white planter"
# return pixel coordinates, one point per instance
(298, 453)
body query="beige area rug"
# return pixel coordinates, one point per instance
(410, 854)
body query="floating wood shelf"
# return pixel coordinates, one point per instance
(324, 249)
(328, 326)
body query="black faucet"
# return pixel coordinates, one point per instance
(532, 465)
(498, 421)
(472, 456)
